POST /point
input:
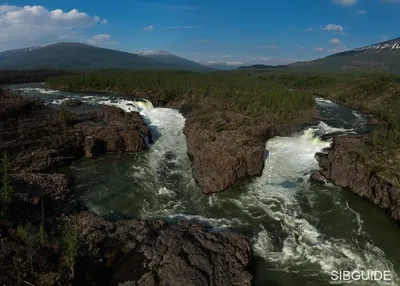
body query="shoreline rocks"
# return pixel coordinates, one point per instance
(342, 165)
(154, 253)
(39, 138)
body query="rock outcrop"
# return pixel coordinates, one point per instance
(73, 102)
(342, 165)
(113, 130)
(137, 252)
(225, 147)
(39, 138)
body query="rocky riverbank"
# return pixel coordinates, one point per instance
(342, 164)
(36, 245)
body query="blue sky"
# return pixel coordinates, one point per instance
(247, 31)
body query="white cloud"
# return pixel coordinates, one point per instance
(204, 41)
(149, 28)
(319, 49)
(104, 21)
(234, 63)
(309, 29)
(36, 25)
(225, 56)
(361, 12)
(7, 8)
(335, 41)
(264, 59)
(100, 39)
(345, 2)
(333, 27)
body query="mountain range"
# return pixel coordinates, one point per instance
(83, 56)
(221, 65)
(384, 56)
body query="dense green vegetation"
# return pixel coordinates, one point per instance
(23, 76)
(245, 94)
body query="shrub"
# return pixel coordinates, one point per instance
(6, 190)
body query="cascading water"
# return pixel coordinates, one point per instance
(300, 231)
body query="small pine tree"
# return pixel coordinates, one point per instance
(22, 233)
(6, 190)
(42, 235)
(71, 248)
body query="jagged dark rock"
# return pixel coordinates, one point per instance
(73, 102)
(155, 253)
(342, 165)
(113, 130)
(39, 138)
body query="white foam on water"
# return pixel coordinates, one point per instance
(360, 119)
(37, 90)
(58, 101)
(303, 246)
(215, 222)
(165, 191)
(326, 129)
(322, 101)
(128, 105)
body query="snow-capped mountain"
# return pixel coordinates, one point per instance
(154, 53)
(169, 59)
(393, 44)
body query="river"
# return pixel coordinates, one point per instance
(300, 231)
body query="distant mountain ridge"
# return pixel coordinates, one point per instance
(384, 56)
(154, 53)
(70, 55)
(221, 65)
(169, 60)
(260, 66)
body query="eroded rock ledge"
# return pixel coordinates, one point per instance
(342, 165)
(141, 252)
(38, 138)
